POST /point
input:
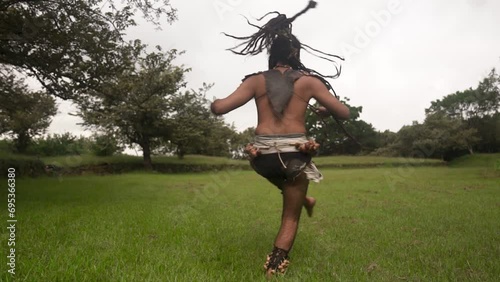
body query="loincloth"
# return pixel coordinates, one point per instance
(283, 157)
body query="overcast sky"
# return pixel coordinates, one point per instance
(400, 55)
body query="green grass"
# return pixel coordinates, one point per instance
(9, 155)
(336, 161)
(478, 160)
(377, 224)
(372, 161)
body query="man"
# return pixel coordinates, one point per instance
(281, 152)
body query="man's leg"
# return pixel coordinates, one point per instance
(309, 204)
(294, 196)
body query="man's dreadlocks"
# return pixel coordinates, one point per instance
(282, 46)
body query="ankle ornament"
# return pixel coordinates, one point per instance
(277, 261)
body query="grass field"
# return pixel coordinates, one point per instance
(373, 224)
(336, 161)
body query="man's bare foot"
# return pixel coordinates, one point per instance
(309, 204)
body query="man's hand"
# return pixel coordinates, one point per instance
(322, 112)
(252, 151)
(213, 107)
(310, 147)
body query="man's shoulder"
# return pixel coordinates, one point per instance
(252, 75)
(314, 80)
(295, 72)
(305, 76)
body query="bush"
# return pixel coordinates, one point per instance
(105, 145)
(6, 146)
(23, 167)
(385, 152)
(118, 168)
(60, 145)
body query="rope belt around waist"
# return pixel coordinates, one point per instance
(272, 144)
(289, 148)
(277, 144)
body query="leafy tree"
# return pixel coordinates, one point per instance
(138, 103)
(387, 137)
(489, 95)
(196, 130)
(71, 46)
(24, 114)
(220, 139)
(488, 129)
(438, 137)
(404, 143)
(459, 105)
(388, 145)
(444, 134)
(334, 140)
(191, 122)
(478, 108)
(480, 102)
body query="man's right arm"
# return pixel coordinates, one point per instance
(327, 100)
(238, 98)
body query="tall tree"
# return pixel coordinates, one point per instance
(191, 122)
(478, 108)
(196, 130)
(404, 143)
(479, 102)
(137, 104)
(444, 135)
(24, 114)
(71, 46)
(440, 136)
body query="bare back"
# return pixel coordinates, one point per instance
(292, 119)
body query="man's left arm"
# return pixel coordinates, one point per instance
(244, 93)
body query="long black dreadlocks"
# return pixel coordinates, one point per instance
(282, 46)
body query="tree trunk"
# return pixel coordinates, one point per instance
(180, 152)
(471, 151)
(146, 153)
(22, 141)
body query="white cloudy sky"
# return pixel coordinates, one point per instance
(397, 60)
